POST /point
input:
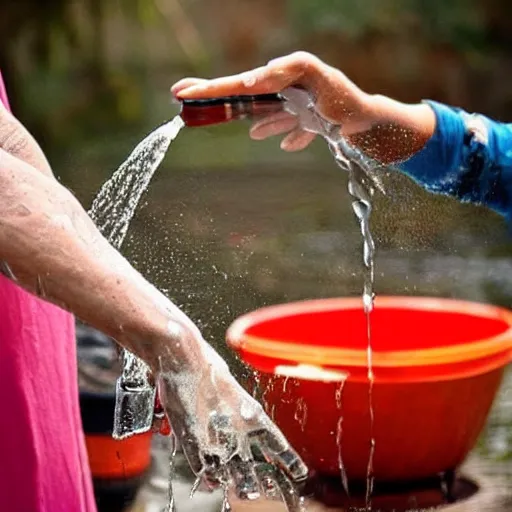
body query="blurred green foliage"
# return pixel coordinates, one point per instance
(458, 22)
(78, 68)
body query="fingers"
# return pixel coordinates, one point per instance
(274, 124)
(298, 68)
(297, 140)
(186, 83)
(256, 81)
(244, 478)
(266, 476)
(277, 451)
(337, 99)
(279, 123)
(289, 494)
(269, 438)
(214, 474)
(289, 462)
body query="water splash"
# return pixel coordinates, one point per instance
(226, 507)
(116, 202)
(256, 390)
(339, 393)
(171, 502)
(195, 485)
(361, 189)
(112, 211)
(269, 388)
(341, 465)
(339, 435)
(301, 413)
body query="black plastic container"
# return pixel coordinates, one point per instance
(118, 468)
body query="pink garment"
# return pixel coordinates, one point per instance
(43, 460)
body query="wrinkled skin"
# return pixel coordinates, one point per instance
(386, 130)
(52, 248)
(220, 438)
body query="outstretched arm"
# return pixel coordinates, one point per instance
(50, 246)
(468, 157)
(54, 249)
(444, 149)
(384, 128)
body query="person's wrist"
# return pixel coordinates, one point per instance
(178, 350)
(395, 131)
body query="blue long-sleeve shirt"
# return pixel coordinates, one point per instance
(469, 157)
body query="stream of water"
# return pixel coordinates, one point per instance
(112, 211)
(362, 184)
(114, 206)
(362, 191)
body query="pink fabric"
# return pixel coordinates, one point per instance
(3, 94)
(43, 460)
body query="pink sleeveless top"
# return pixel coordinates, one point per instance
(43, 460)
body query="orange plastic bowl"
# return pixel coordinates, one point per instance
(118, 459)
(437, 366)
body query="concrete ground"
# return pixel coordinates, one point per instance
(494, 493)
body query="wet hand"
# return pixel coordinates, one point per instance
(226, 436)
(337, 99)
(384, 129)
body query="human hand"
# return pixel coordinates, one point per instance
(337, 99)
(225, 434)
(384, 129)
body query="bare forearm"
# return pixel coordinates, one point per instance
(54, 249)
(397, 130)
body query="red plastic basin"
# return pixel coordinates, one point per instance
(437, 366)
(118, 459)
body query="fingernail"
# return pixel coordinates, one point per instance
(286, 145)
(255, 135)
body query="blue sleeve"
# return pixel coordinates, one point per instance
(468, 157)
